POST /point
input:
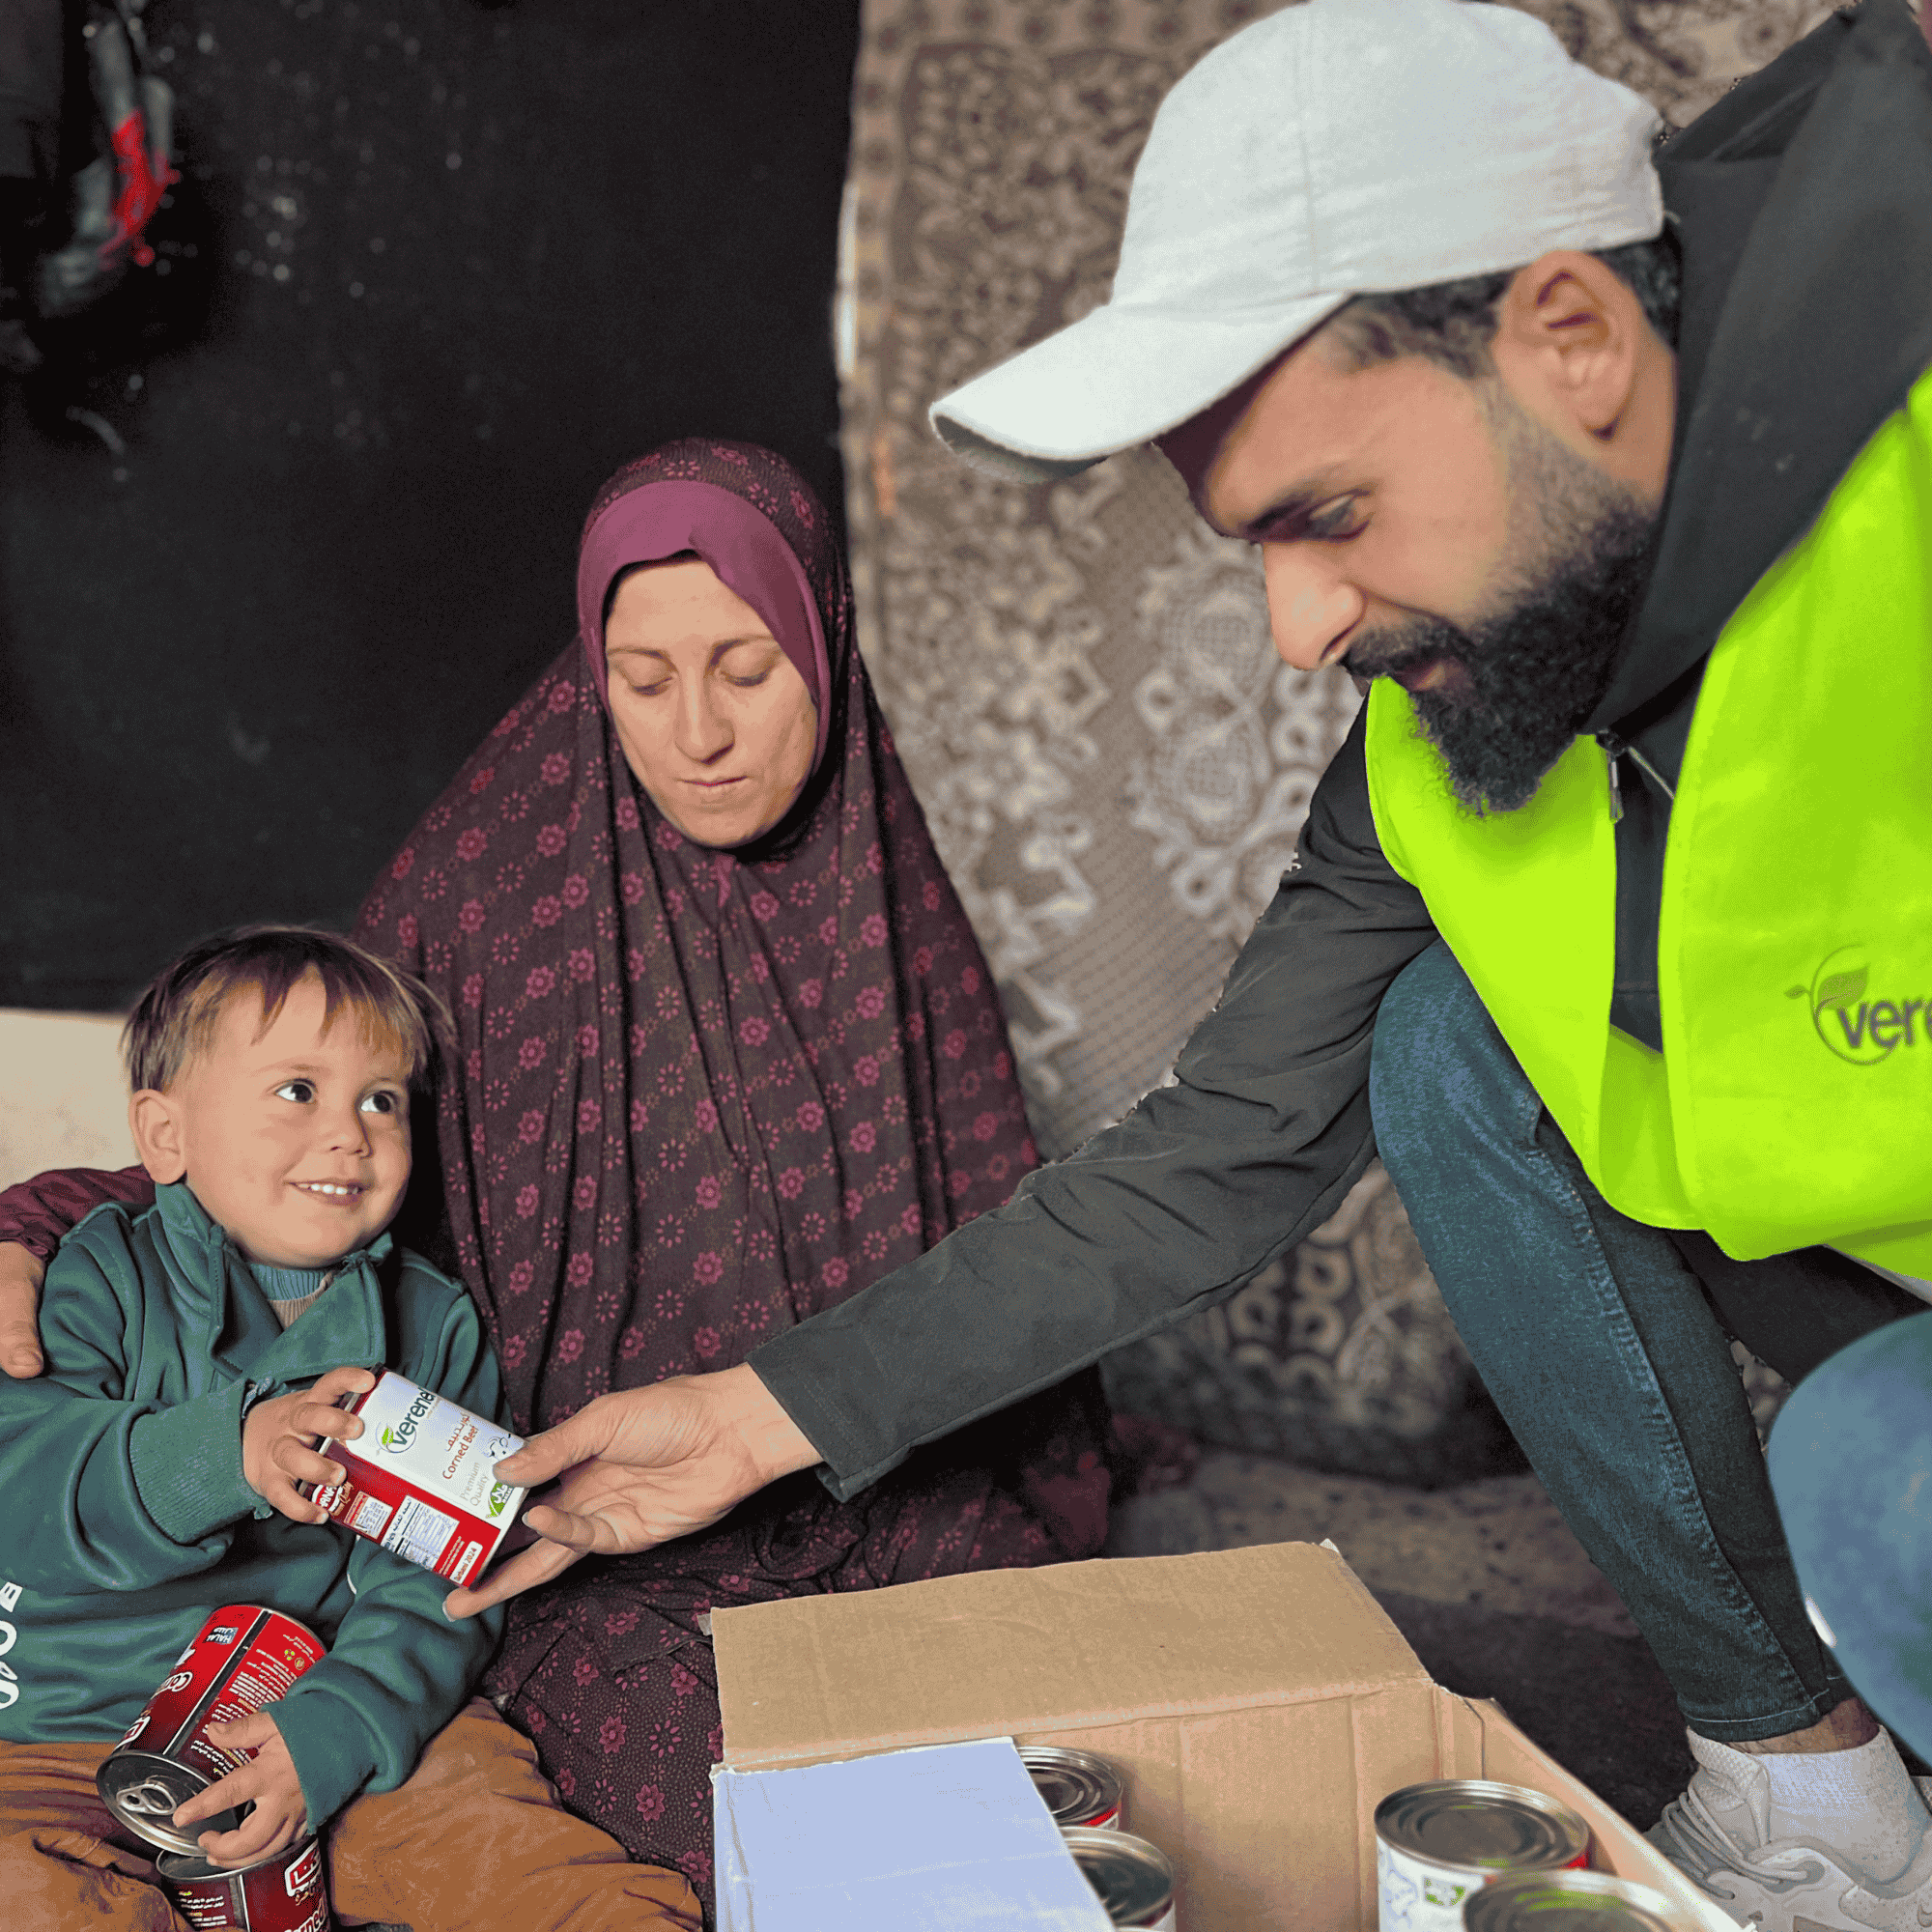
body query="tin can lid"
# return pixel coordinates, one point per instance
(143, 1790)
(1472, 1822)
(1075, 1784)
(1135, 1882)
(1571, 1901)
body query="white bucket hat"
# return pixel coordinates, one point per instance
(1337, 148)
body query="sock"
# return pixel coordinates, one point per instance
(1860, 1804)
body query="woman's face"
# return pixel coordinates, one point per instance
(714, 717)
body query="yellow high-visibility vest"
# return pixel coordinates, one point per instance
(1792, 1103)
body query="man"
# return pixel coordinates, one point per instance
(1398, 298)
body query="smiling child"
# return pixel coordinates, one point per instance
(195, 1351)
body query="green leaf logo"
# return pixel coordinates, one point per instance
(388, 1437)
(1839, 1014)
(1842, 989)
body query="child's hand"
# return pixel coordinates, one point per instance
(281, 1812)
(278, 1438)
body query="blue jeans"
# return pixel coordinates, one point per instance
(1605, 1344)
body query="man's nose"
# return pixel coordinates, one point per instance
(1311, 609)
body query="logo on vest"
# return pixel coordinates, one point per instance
(1856, 1029)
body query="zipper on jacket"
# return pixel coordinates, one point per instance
(1614, 749)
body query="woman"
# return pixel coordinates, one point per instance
(728, 1052)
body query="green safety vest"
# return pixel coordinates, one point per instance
(1792, 1104)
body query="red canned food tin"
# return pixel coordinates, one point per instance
(1078, 1788)
(422, 1478)
(245, 1657)
(284, 1892)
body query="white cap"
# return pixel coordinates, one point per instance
(1335, 149)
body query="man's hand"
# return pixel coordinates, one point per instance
(643, 1465)
(20, 1277)
(281, 1812)
(278, 1438)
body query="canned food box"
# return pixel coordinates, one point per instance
(1132, 1877)
(244, 1657)
(1078, 1788)
(422, 1478)
(1437, 1843)
(1573, 1901)
(283, 1893)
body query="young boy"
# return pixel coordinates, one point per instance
(194, 1353)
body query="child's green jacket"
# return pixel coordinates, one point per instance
(127, 1519)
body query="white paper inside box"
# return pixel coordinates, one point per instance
(1259, 1703)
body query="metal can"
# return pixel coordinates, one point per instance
(1437, 1843)
(283, 1893)
(422, 1478)
(245, 1657)
(1573, 1901)
(1134, 1881)
(1078, 1788)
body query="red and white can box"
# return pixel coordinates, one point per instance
(422, 1478)
(245, 1657)
(283, 1893)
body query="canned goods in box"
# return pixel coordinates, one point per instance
(1134, 1881)
(1573, 1901)
(283, 1893)
(422, 1478)
(245, 1657)
(1078, 1788)
(1438, 1842)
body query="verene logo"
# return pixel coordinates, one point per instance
(1858, 1030)
(397, 1440)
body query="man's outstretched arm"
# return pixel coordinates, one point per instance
(1258, 1141)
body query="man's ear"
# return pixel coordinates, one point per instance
(154, 1121)
(1575, 350)
(1569, 330)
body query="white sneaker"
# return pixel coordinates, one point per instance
(1717, 1834)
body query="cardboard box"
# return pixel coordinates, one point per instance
(1258, 1702)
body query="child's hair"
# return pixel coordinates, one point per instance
(176, 1017)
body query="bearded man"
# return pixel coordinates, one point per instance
(1614, 476)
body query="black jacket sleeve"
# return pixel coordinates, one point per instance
(1263, 1131)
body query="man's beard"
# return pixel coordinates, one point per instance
(1520, 684)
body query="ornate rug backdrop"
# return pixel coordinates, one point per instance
(1115, 763)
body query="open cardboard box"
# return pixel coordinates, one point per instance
(1258, 1702)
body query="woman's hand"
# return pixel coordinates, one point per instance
(639, 1467)
(269, 1780)
(20, 1275)
(279, 1441)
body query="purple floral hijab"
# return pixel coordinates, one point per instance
(699, 1094)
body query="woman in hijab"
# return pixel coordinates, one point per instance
(727, 1053)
